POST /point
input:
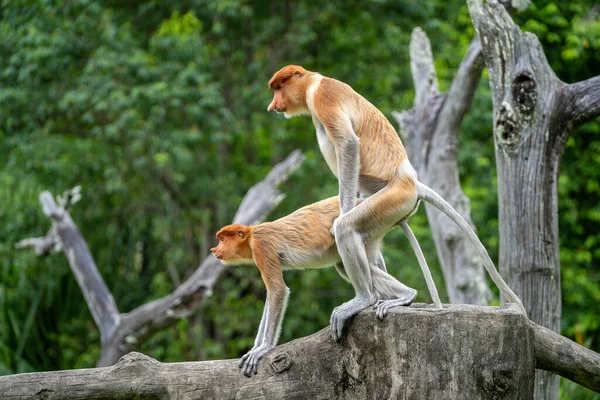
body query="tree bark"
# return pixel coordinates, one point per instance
(65, 235)
(469, 352)
(123, 332)
(430, 130)
(534, 113)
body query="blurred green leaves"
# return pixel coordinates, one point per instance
(158, 109)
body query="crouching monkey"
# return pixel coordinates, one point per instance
(365, 153)
(302, 239)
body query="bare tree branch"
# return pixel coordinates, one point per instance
(430, 131)
(99, 299)
(122, 333)
(42, 245)
(518, 4)
(460, 95)
(557, 354)
(583, 100)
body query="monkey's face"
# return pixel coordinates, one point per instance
(289, 91)
(233, 245)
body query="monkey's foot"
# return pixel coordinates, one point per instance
(344, 312)
(249, 362)
(382, 306)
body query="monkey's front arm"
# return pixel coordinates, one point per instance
(269, 329)
(348, 158)
(347, 150)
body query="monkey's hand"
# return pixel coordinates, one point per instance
(249, 362)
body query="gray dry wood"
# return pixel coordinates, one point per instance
(534, 114)
(430, 130)
(468, 352)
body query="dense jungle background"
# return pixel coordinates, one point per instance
(158, 110)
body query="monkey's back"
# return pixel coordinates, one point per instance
(381, 150)
(303, 238)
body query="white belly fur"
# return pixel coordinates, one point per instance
(324, 142)
(326, 147)
(310, 258)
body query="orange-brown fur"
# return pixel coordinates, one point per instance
(302, 239)
(381, 150)
(365, 153)
(299, 240)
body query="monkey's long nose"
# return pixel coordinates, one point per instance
(271, 106)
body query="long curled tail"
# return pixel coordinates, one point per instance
(422, 263)
(429, 195)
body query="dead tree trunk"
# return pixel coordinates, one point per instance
(461, 352)
(534, 113)
(430, 131)
(124, 332)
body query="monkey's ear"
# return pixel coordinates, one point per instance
(240, 234)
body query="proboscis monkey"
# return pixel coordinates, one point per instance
(365, 153)
(302, 239)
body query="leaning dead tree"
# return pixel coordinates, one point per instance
(123, 332)
(430, 131)
(461, 352)
(534, 114)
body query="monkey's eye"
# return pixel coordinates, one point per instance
(221, 239)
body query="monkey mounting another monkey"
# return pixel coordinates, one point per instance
(302, 239)
(363, 150)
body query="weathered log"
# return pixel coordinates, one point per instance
(557, 354)
(469, 352)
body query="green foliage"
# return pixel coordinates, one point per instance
(158, 110)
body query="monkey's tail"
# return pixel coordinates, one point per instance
(429, 195)
(422, 263)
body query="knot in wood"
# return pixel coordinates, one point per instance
(503, 380)
(498, 383)
(524, 93)
(281, 362)
(506, 127)
(135, 363)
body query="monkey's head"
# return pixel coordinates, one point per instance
(289, 85)
(234, 244)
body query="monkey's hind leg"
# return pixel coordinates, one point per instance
(353, 254)
(383, 306)
(392, 292)
(356, 266)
